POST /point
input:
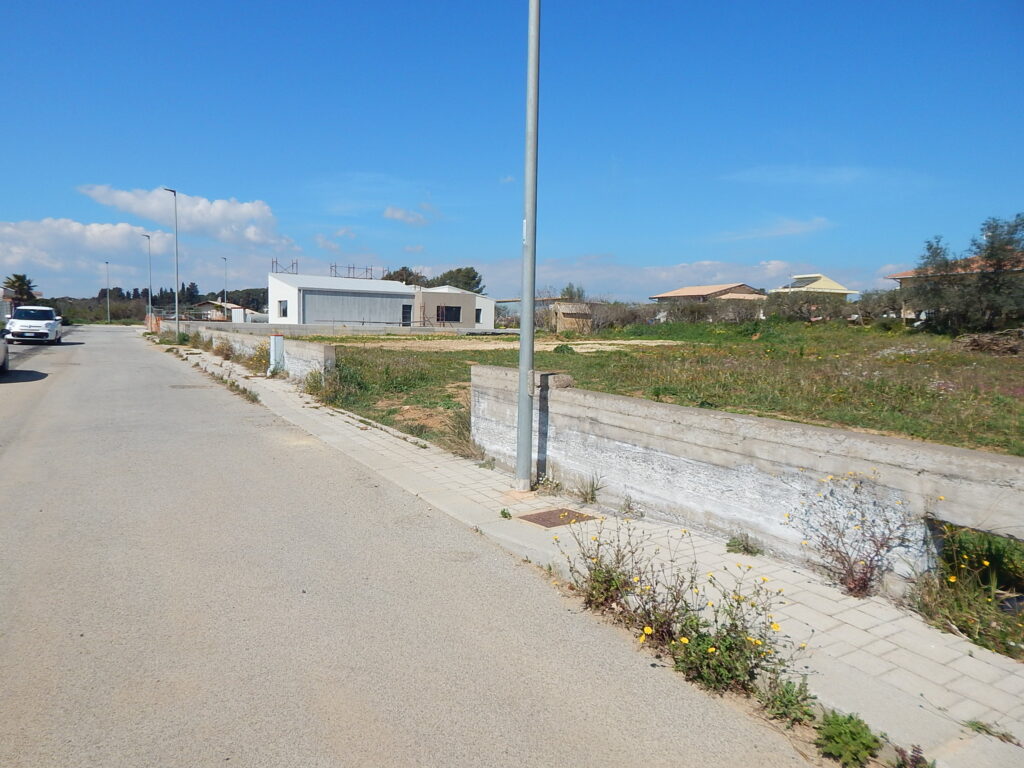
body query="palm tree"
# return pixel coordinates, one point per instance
(24, 289)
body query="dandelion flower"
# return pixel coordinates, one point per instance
(642, 638)
(984, 562)
(942, 498)
(711, 604)
(636, 579)
(775, 627)
(952, 578)
(554, 538)
(593, 538)
(712, 649)
(765, 579)
(963, 557)
(803, 645)
(684, 640)
(648, 630)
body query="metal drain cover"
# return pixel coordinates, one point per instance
(552, 518)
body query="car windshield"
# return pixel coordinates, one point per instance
(33, 314)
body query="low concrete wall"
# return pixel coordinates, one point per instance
(296, 330)
(729, 472)
(300, 357)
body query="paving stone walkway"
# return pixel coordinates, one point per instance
(905, 678)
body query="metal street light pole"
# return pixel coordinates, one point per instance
(108, 291)
(225, 299)
(524, 420)
(177, 313)
(149, 296)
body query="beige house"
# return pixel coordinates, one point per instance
(813, 284)
(700, 293)
(573, 316)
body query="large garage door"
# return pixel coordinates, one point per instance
(352, 307)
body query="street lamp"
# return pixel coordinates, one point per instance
(225, 298)
(108, 291)
(524, 415)
(177, 314)
(149, 296)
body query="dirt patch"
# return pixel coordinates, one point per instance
(415, 414)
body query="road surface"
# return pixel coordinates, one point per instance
(187, 580)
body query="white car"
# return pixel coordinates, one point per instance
(34, 324)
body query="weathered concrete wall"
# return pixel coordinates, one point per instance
(293, 329)
(300, 357)
(730, 472)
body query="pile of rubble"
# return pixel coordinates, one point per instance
(1008, 342)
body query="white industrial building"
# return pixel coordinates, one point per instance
(318, 300)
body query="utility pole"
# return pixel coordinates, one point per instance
(177, 313)
(107, 263)
(524, 433)
(149, 296)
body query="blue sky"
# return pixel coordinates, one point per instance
(680, 143)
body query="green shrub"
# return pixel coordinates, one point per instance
(847, 739)
(564, 349)
(788, 701)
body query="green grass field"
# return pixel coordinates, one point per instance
(900, 383)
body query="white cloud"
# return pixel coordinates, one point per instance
(413, 248)
(414, 218)
(59, 243)
(780, 228)
(229, 221)
(327, 245)
(506, 179)
(345, 232)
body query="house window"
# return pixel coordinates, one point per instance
(479, 314)
(282, 309)
(449, 314)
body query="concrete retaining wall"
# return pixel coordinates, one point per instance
(729, 472)
(295, 329)
(300, 357)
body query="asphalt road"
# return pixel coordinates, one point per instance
(187, 580)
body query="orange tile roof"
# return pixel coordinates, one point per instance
(969, 266)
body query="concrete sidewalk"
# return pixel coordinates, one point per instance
(906, 679)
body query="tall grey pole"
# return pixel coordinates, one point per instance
(524, 438)
(225, 298)
(149, 296)
(108, 291)
(177, 313)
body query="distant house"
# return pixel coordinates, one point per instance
(813, 284)
(958, 270)
(573, 316)
(316, 300)
(215, 310)
(701, 293)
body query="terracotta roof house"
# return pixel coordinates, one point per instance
(813, 284)
(699, 293)
(974, 265)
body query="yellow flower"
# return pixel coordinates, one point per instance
(775, 627)
(593, 538)
(642, 638)
(711, 604)
(804, 542)
(712, 649)
(682, 530)
(648, 631)
(751, 639)
(758, 642)
(963, 557)
(593, 559)
(684, 640)
(636, 579)
(984, 562)
(765, 579)
(952, 578)
(647, 587)
(555, 538)
(856, 527)
(803, 645)
(942, 498)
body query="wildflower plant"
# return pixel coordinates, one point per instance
(856, 531)
(718, 628)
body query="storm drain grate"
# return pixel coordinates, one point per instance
(552, 518)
